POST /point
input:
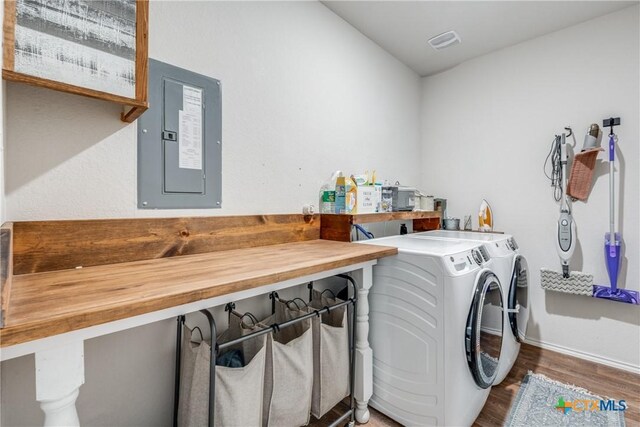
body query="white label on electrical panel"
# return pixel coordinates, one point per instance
(190, 129)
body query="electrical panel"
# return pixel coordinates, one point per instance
(180, 141)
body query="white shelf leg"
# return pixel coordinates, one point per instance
(59, 375)
(364, 356)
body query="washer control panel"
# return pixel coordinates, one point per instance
(464, 262)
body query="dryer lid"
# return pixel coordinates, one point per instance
(463, 235)
(435, 247)
(498, 245)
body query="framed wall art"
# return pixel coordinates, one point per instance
(95, 48)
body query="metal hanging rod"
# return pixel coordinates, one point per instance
(216, 347)
(277, 327)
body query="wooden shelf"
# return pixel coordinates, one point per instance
(61, 276)
(387, 216)
(55, 302)
(338, 226)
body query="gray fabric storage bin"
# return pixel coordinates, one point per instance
(289, 370)
(330, 355)
(239, 392)
(187, 363)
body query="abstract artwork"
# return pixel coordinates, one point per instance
(86, 43)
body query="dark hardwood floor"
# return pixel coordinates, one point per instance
(599, 379)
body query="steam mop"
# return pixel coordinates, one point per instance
(574, 282)
(566, 237)
(613, 240)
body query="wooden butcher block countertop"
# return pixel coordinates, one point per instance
(50, 303)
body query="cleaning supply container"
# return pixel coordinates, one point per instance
(426, 203)
(451, 223)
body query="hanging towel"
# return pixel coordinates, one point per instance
(581, 175)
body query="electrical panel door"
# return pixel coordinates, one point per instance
(180, 141)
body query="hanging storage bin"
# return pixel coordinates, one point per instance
(330, 354)
(277, 393)
(289, 369)
(188, 358)
(239, 392)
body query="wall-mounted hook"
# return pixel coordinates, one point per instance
(273, 296)
(310, 287)
(610, 123)
(568, 129)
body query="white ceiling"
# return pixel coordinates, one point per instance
(403, 28)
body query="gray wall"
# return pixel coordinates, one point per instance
(497, 115)
(304, 94)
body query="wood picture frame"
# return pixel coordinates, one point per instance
(134, 105)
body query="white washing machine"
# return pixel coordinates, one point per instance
(511, 268)
(433, 363)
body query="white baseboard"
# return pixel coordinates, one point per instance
(491, 331)
(586, 356)
(575, 353)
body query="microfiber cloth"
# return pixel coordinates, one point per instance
(577, 283)
(581, 175)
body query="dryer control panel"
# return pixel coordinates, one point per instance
(464, 262)
(501, 248)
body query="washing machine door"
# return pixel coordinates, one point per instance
(483, 333)
(518, 302)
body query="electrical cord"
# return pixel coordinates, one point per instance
(555, 173)
(367, 234)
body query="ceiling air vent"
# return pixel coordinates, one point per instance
(444, 40)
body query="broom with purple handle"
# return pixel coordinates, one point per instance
(613, 240)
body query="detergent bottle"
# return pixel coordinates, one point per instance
(340, 193)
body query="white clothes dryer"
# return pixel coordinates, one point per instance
(433, 362)
(512, 270)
